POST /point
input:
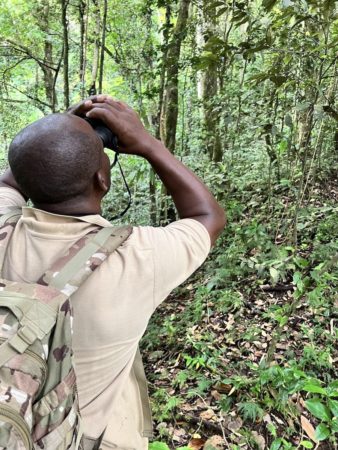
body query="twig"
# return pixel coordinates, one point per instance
(204, 423)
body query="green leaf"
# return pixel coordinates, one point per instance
(276, 444)
(315, 389)
(158, 446)
(332, 389)
(318, 409)
(334, 425)
(333, 405)
(269, 4)
(288, 121)
(322, 432)
(303, 106)
(274, 273)
(306, 444)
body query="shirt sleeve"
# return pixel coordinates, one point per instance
(10, 197)
(178, 250)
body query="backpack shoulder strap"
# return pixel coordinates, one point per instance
(7, 225)
(82, 258)
(12, 215)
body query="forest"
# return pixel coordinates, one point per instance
(244, 92)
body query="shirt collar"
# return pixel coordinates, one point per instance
(44, 216)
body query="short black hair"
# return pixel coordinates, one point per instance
(53, 161)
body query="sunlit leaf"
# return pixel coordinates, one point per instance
(318, 409)
(322, 432)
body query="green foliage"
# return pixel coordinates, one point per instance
(260, 75)
(250, 411)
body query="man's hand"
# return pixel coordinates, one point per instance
(125, 123)
(81, 108)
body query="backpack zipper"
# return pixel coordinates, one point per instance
(18, 424)
(42, 364)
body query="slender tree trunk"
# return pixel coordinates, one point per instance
(171, 88)
(103, 44)
(170, 94)
(64, 5)
(210, 89)
(48, 73)
(96, 56)
(159, 117)
(83, 19)
(166, 33)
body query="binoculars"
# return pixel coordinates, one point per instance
(108, 138)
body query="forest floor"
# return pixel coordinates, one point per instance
(246, 366)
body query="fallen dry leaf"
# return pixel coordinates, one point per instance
(178, 434)
(223, 388)
(234, 423)
(208, 415)
(196, 444)
(308, 428)
(214, 443)
(216, 395)
(259, 439)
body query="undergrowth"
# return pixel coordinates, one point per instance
(249, 345)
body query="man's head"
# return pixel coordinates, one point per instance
(59, 159)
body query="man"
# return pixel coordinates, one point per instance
(59, 163)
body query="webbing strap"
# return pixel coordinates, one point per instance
(79, 267)
(6, 353)
(73, 267)
(6, 230)
(143, 387)
(79, 437)
(36, 320)
(14, 213)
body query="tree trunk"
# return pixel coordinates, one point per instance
(96, 55)
(159, 134)
(103, 44)
(64, 5)
(166, 31)
(48, 73)
(170, 97)
(210, 89)
(171, 88)
(83, 18)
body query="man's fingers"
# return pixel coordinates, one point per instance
(81, 108)
(102, 111)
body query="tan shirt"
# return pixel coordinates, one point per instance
(112, 308)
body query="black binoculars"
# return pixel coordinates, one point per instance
(108, 138)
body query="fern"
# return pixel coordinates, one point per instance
(250, 411)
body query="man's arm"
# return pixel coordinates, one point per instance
(191, 197)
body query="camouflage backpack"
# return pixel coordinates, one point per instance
(38, 398)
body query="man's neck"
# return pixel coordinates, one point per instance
(73, 207)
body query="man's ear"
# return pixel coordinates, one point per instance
(102, 181)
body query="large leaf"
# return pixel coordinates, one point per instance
(318, 409)
(322, 432)
(314, 389)
(333, 405)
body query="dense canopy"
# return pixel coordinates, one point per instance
(245, 93)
